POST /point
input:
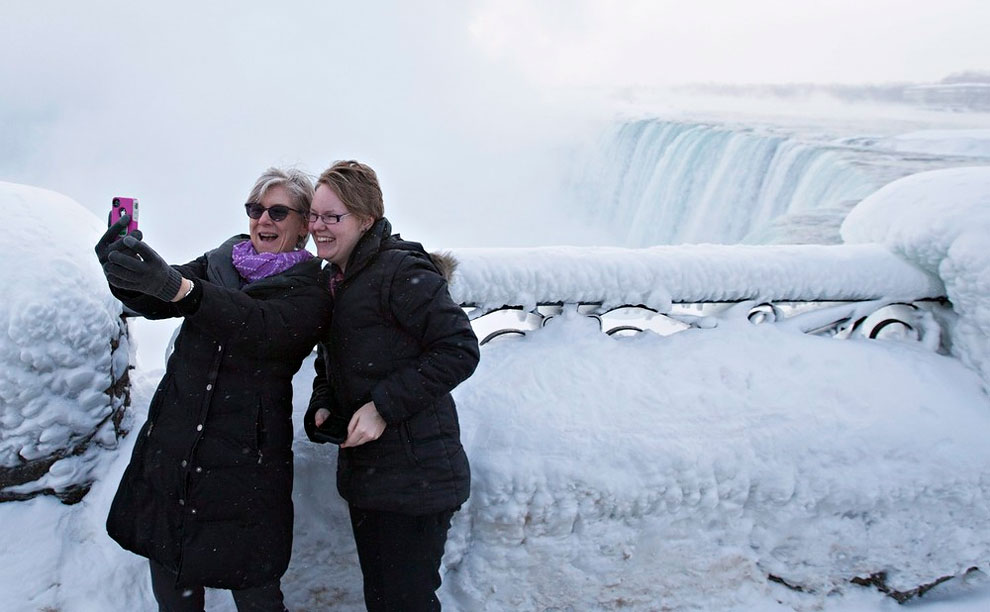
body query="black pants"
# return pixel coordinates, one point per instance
(400, 558)
(265, 598)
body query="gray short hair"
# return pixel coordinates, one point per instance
(298, 183)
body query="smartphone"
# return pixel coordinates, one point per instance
(122, 206)
(333, 430)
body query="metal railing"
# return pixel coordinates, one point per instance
(918, 321)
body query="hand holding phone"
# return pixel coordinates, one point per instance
(332, 430)
(124, 206)
(108, 241)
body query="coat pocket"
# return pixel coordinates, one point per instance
(156, 403)
(250, 426)
(259, 426)
(407, 443)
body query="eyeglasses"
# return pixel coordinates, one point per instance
(275, 213)
(329, 218)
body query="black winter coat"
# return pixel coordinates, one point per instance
(398, 339)
(207, 493)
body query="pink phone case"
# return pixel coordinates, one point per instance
(121, 206)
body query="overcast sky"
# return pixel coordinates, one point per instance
(733, 41)
(461, 106)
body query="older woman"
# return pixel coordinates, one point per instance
(397, 346)
(207, 494)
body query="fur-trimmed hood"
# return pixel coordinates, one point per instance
(445, 262)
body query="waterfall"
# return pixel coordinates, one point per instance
(663, 182)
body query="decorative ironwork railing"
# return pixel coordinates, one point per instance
(874, 319)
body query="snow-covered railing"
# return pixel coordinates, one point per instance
(836, 290)
(659, 276)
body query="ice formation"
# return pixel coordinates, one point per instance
(63, 348)
(650, 471)
(940, 220)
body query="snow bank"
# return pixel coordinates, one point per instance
(940, 221)
(59, 327)
(964, 143)
(59, 557)
(686, 273)
(681, 471)
(642, 473)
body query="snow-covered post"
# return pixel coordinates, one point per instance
(940, 221)
(64, 351)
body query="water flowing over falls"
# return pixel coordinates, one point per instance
(654, 182)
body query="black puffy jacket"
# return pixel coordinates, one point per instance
(207, 493)
(398, 339)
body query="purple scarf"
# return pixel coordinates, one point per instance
(253, 266)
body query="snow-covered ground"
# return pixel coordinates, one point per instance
(652, 472)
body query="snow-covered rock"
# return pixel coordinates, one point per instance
(63, 347)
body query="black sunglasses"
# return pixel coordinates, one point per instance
(275, 213)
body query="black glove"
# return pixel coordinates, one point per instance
(109, 242)
(135, 266)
